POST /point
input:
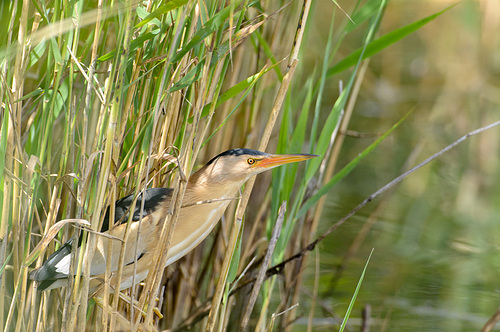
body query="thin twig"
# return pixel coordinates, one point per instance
(490, 324)
(262, 271)
(279, 267)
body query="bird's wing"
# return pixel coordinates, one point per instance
(56, 267)
(47, 274)
(152, 197)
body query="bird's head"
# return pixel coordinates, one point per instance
(238, 165)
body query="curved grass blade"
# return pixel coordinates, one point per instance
(236, 39)
(237, 89)
(214, 23)
(223, 49)
(248, 88)
(379, 44)
(50, 235)
(192, 76)
(35, 93)
(135, 44)
(169, 6)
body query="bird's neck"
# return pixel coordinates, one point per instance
(205, 200)
(204, 187)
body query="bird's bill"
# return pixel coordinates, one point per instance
(274, 160)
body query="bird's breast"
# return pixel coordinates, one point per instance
(194, 224)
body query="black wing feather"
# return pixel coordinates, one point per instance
(152, 197)
(47, 275)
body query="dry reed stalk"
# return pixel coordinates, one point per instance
(11, 154)
(235, 231)
(154, 276)
(262, 146)
(265, 263)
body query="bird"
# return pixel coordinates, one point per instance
(208, 193)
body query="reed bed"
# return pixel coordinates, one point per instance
(103, 99)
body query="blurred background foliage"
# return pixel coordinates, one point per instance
(435, 264)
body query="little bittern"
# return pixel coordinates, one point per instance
(208, 193)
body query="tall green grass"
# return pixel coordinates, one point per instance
(102, 100)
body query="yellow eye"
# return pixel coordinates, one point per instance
(250, 161)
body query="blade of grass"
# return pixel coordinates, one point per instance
(346, 170)
(134, 45)
(368, 10)
(237, 89)
(379, 44)
(214, 23)
(355, 295)
(163, 9)
(332, 121)
(249, 86)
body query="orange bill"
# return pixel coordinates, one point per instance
(274, 160)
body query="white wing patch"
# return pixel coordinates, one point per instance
(63, 265)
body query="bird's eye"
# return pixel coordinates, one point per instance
(250, 161)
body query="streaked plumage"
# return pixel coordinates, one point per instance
(208, 193)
